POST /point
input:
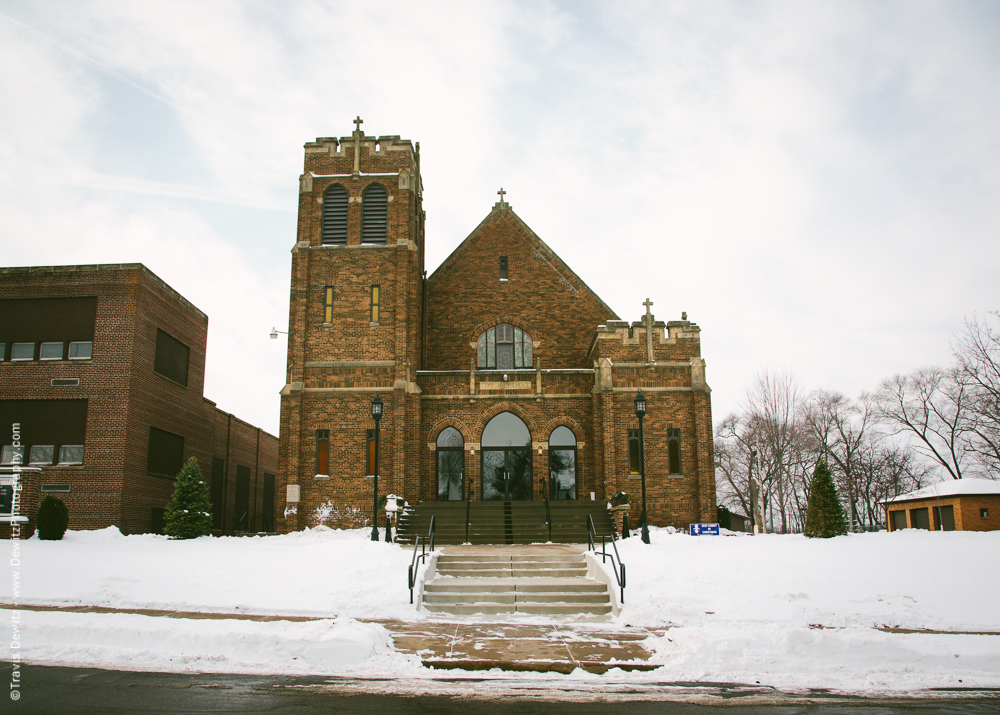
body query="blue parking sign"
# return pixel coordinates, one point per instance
(704, 529)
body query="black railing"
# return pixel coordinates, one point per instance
(468, 509)
(548, 512)
(425, 550)
(616, 560)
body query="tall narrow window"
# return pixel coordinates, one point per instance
(562, 464)
(634, 456)
(374, 214)
(370, 452)
(376, 303)
(503, 268)
(334, 231)
(674, 450)
(450, 465)
(328, 304)
(504, 347)
(171, 360)
(323, 452)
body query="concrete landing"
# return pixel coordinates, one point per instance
(559, 648)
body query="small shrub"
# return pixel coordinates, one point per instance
(619, 499)
(52, 519)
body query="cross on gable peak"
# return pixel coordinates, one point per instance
(358, 121)
(501, 192)
(649, 304)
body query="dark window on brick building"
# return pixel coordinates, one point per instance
(674, 450)
(22, 351)
(323, 452)
(374, 214)
(898, 519)
(241, 521)
(215, 490)
(944, 518)
(334, 216)
(328, 304)
(920, 518)
(370, 452)
(171, 358)
(81, 350)
(376, 311)
(165, 455)
(562, 464)
(52, 431)
(503, 268)
(504, 347)
(6, 499)
(3, 351)
(268, 515)
(634, 452)
(984, 513)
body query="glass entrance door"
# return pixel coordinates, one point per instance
(506, 475)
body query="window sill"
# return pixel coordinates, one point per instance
(375, 324)
(322, 476)
(169, 379)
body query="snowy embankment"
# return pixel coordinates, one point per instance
(782, 610)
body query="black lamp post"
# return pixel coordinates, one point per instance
(377, 416)
(753, 493)
(640, 412)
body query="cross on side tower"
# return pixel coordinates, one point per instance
(358, 121)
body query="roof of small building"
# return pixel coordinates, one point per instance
(951, 488)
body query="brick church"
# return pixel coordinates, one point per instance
(504, 377)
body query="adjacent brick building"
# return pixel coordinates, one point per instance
(954, 505)
(502, 367)
(102, 369)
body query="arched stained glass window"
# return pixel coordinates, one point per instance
(334, 216)
(504, 347)
(374, 214)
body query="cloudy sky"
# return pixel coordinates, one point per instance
(815, 183)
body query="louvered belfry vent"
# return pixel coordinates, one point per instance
(335, 216)
(374, 214)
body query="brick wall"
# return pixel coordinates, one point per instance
(966, 508)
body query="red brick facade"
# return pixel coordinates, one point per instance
(585, 368)
(126, 397)
(971, 512)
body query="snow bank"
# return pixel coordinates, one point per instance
(910, 579)
(317, 572)
(137, 642)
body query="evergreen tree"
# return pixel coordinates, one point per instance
(52, 519)
(825, 515)
(189, 513)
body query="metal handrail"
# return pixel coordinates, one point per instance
(616, 560)
(548, 513)
(468, 507)
(420, 543)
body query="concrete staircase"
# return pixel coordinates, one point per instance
(497, 580)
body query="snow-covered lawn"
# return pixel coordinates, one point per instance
(782, 610)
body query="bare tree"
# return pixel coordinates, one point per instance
(977, 352)
(934, 407)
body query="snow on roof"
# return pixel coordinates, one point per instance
(951, 488)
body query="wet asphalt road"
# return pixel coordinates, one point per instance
(71, 691)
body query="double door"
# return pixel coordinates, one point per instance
(506, 474)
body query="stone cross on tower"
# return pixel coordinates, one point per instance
(648, 319)
(501, 192)
(357, 145)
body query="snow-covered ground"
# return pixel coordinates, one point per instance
(784, 611)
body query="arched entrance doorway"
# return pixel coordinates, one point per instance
(506, 459)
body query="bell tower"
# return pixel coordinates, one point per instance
(354, 329)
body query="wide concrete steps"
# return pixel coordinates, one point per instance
(469, 581)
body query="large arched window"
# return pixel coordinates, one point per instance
(334, 216)
(374, 214)
(450, 465)
(562, 464)
(504, 347)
